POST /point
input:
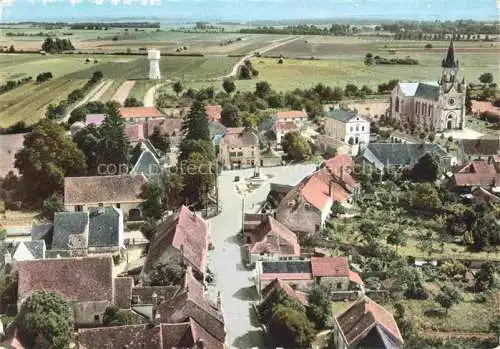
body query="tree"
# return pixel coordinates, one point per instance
(168, 274)
(425, 197)
(199, 178)
(160, 140)
(229, 115)
(113, 317)
(228, 85)
(330, 152)
(132, 102)
(50, 206)
(369, 230)
(404, 323)
(337, 208)
(351, 90)
(113, 145)
(277, 297)
(75, 95)
(319, 309)
(195, 125)
(177, 87)
(46, 317)
(494, 327)
(245, 73)
(12, 49)
(486, 277)
(296, 146)
(448, 297)
(88, 140)
(486, 78)
(78, 114)
(48, 155)
(203, 147)
(148, 228)
(426, 169)
(262, 89)
(152, 205)
(174, 189)
(397, 237)
(290, 328)
(468, 102)
(369, 59)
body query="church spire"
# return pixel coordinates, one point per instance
(450, 62)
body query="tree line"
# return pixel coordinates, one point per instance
(463, 27)
(418, 35)
(56, 111)
(303, 29)
(373, 60)
(57, 45)
(12, 84)
(107, 25)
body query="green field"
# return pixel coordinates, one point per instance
(108, 95)
(140, 88)
(29, 102)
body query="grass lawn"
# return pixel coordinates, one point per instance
(29, 102)
(467, 316)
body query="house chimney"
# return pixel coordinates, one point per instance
(219, 302)
(154, 300)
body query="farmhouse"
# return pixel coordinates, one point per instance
(278, 285)
(478, 173)
(347, 126)
(306, 207)
(121, 191)
(213, 112)
(365, 324)
(436, 105)
(183, 234)
(168, 126)
(301, 274)
(269, 239)
(482, 148)
(239, 147)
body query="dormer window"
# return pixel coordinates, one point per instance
(291, 203)
(307, 206)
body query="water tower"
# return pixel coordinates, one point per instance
(154, 64)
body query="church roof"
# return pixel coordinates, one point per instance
(427, 91)
(408, 88)
(449, 61)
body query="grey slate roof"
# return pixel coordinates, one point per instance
(279, 267)
(341, 115)
(36, 247)
(147, 164)
(216, 129)
(427, 91)
(104, 227)
(66, 224)
(398, 154)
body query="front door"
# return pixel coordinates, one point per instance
(449, 124)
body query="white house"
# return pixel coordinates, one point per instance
(347, 126)
(282, 128)
(296, 116)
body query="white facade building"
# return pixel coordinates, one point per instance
(347, 126)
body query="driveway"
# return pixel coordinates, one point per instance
(232, 279)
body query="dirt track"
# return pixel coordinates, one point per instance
(123, 91)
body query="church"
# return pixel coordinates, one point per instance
(434, 106)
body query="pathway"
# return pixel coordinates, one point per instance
(102, 91)
(123, 91)
(85, 100)
(149, 97)
(232, 279)
(262, 50)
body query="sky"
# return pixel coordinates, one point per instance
(247, 10)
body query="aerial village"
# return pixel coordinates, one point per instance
(340, 229)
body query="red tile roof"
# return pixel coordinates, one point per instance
(285, 126)
(278, 284)
(213, 112)
(140, 112)
(354, 277)
(270, 236)
(187, 233)
(479, 107)
(316, 189)
(77, 279)
(170, 126)
(473, 179)
(342, 166)
(291, 114)
(134, 133)
(479, 167)
(103, 189)
(239, 137)
(330, 266)
(363, 315)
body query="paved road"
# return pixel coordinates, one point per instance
(231, 278)
(123, 91)
(262, 50)
(102, 91)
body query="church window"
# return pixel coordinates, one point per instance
(396, 105)
(352, 128)
(357, 128)
(362, 128)
(424, 108)
(429, 110)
